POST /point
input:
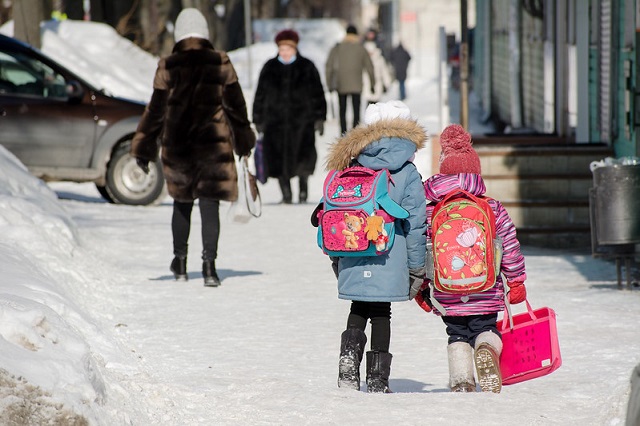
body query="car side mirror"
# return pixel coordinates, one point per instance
(75, 92)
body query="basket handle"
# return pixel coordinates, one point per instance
(509, 317)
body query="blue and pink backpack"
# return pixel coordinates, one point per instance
(358, 215)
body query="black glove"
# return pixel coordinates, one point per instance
(334, 265)
(259, 127)
(425, 294)
(416, 279)
(318, 126)
(143, 164)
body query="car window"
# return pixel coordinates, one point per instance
(22, 75)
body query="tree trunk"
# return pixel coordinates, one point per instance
(27, 16)
(5, 12)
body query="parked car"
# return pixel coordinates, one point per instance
(64, 129)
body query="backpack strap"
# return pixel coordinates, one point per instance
(391, 207)
(434, 302)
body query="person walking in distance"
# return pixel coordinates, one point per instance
(288, 108)
(199, 114)
(400, 61)
(344, 69)
(381, 73)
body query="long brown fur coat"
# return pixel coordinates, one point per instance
(199, 113)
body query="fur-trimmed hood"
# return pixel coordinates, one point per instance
(387, 140)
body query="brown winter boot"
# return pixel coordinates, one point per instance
(487, 359)
(460, 356)
(352, 345)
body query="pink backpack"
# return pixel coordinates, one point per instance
(465, 251)
(358, 215)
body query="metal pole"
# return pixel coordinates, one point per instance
(248, 39)
(637, 95)
(464, 66)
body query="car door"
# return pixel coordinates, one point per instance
(39, 122)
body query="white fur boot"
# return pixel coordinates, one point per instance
(487, 360)
(460, 355)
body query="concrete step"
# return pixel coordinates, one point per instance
(545, 189)
(543, 182)
(537, 188)
(523, 161)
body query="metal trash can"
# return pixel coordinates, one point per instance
(617, 204)
(614, 211)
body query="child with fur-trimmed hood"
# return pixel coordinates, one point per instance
(471, 319)
(388, 139)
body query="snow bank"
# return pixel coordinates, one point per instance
(41, 329)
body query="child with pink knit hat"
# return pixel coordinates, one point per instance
(470, 319)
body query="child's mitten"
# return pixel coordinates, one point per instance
(422, 298)
(517, 292)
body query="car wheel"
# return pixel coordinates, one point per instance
(103, 191)
(128, 184)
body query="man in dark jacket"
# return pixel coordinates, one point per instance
(288, 107)
(198, 112)
(347, 62)
(400, 60)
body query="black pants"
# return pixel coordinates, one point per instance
(181, 227)
(466, 329)
(355, 104)
(380, 315)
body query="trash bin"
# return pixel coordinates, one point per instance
(614, 211)
(617, 204)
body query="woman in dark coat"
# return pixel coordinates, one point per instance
(198, 112)
(288, 107)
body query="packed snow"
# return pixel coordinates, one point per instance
(94, 330)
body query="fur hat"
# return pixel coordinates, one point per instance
(458, 156)
(351, 29)
(386, 111)
(289, 37)
(191, 23)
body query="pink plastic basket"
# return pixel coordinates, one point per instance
(530, 345)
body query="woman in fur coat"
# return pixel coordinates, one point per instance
(289, 106)
(388, 140)
(198, 113)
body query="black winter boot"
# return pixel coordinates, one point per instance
(351, 350)
(285, 187)
(179, 268)
(378, 370)
(303, 189)
(209, 274)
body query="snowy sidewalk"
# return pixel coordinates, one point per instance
(262, 349)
